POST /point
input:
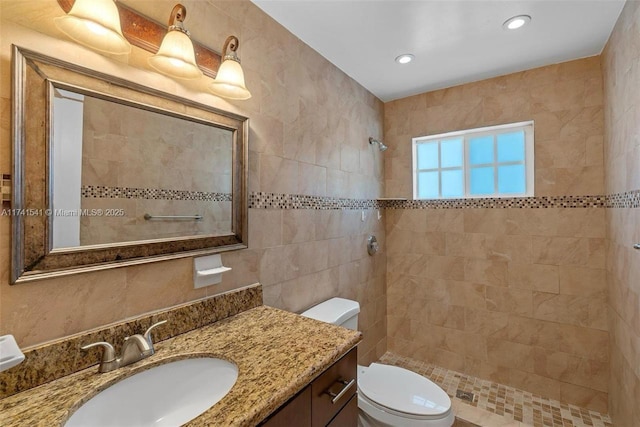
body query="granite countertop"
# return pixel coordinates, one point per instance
(277, 353)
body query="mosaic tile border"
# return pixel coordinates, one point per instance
(5, 189)
(628, 199)
(501, 203)
(509, 402)
(262, 200)
(259, 200)
(97, 191)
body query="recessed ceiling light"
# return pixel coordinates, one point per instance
(516, 22)
(404, 58)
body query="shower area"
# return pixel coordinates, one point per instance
(535, 295)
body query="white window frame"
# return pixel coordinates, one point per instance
(527, 127)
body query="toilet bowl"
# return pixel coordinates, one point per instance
(388, 396)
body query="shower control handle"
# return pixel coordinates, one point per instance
(636, 246)
(372, 245)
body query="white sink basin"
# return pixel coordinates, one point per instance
(165, 395)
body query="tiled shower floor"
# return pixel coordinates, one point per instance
(516, 407)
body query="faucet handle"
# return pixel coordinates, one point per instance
(147, 334)
(109, 353)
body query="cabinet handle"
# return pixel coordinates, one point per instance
(338, 396)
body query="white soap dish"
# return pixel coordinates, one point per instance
(10, 354)
(207, 270)
(212, 271)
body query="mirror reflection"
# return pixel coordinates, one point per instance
(123, 173)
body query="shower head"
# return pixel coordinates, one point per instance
(381, 146)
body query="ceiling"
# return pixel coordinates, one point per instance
(454, 41)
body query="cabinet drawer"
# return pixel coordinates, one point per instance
(296, 412)
(348, 416)
(332, 390)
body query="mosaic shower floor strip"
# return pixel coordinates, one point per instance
(463, 423)
(509, 402)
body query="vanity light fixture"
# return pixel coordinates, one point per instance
(176, 56)
(516, 22)
(405, 58)
(229, 82)
(95, 24)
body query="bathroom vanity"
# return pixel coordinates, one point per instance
(288, 366)
(330, 400)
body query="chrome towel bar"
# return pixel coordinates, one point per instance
(171, 217)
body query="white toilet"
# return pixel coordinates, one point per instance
(388, 395)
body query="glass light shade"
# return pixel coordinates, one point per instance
(229, 82)
(176, 57)
(95, 24)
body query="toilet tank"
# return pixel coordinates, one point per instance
(338, 311)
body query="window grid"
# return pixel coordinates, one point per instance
(494, 132)
(439, 168)
(495, 162)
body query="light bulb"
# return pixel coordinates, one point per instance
(516, 22)
(404, 58)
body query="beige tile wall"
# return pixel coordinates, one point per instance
(564, 100)
(621, 69)
(126, 222)
(141, 149)
(310, 125)
(513, 295)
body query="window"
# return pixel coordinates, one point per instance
(493, 161)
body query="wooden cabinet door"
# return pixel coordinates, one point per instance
(348, 416)
(331, 391)
(330, 400)
(295, 413)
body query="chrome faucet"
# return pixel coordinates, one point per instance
(135, 347)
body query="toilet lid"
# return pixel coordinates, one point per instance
(402, 390)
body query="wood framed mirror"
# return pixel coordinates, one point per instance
(109, 173)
